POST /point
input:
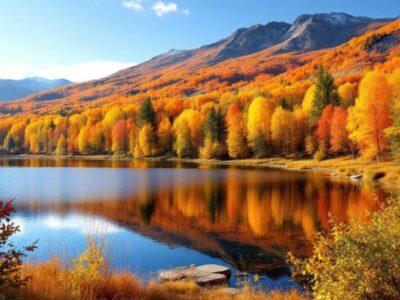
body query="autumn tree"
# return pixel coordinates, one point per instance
(214, 127)
(348, 94)
(61, 148)
(83, 140)
(119, 137)
(14, 140)
(310, 144)
(338, 133)
(164, 135)
(393, 132)
(146, 117)
(76, 122)
(188, 127)
(308, 103)
(258, 126)
(214, 132)
(36, 136)
(183, 144)
(146, 142)
(324, 127)
(96, 138)
(299, 130)
(371, 115)
(325, 92)
(280, 130)
(236, 137)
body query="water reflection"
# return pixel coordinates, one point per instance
(246, 218)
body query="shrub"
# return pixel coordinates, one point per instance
(11, 257)
(357, 261)
(319, 155)
(88, 271)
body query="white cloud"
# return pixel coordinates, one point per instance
(81, 224)
(84, 71)
(78, 72)
(133, 4)
(161, 8)
(16, 70)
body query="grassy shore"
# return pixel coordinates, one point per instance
(52, 280)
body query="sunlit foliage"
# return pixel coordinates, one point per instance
(357, 261)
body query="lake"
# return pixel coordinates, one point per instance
(158, 215)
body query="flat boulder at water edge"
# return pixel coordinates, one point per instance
(204, 275)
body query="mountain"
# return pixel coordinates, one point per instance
(319, 31)
(271, 52)
(16, 89)
(306, 33)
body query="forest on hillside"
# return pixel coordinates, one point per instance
(316, 110)
(328, 122)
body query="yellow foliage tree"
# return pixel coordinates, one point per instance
(188, 133)
(258, 123)
(281, 130)
(236, 138)
(371, 115)
(61, 146)
(146, 144)
(308, 103)
(83, 140)
(348, 94)
(164, 135)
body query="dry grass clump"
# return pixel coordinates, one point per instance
(172, 290)
(190, 291)
(53, 280)
(89, 278)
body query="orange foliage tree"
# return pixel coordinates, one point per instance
(371, 115)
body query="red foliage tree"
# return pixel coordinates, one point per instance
(324, 125)
(11, 257)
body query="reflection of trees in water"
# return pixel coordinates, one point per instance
(214, 196)
(248, 218)
(146, 211)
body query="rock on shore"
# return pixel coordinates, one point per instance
(204, 275)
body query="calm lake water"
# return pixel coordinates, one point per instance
(156, 216)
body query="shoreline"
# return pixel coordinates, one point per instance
(342, 167)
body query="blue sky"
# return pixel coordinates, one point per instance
(85, 39)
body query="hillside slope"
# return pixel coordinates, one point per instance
(261, 50)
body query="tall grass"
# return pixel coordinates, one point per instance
(89, 277)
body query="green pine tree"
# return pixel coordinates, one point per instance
(325, 92)
(214, 126)
(259, 146)
(146, 114)
(9, 143)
